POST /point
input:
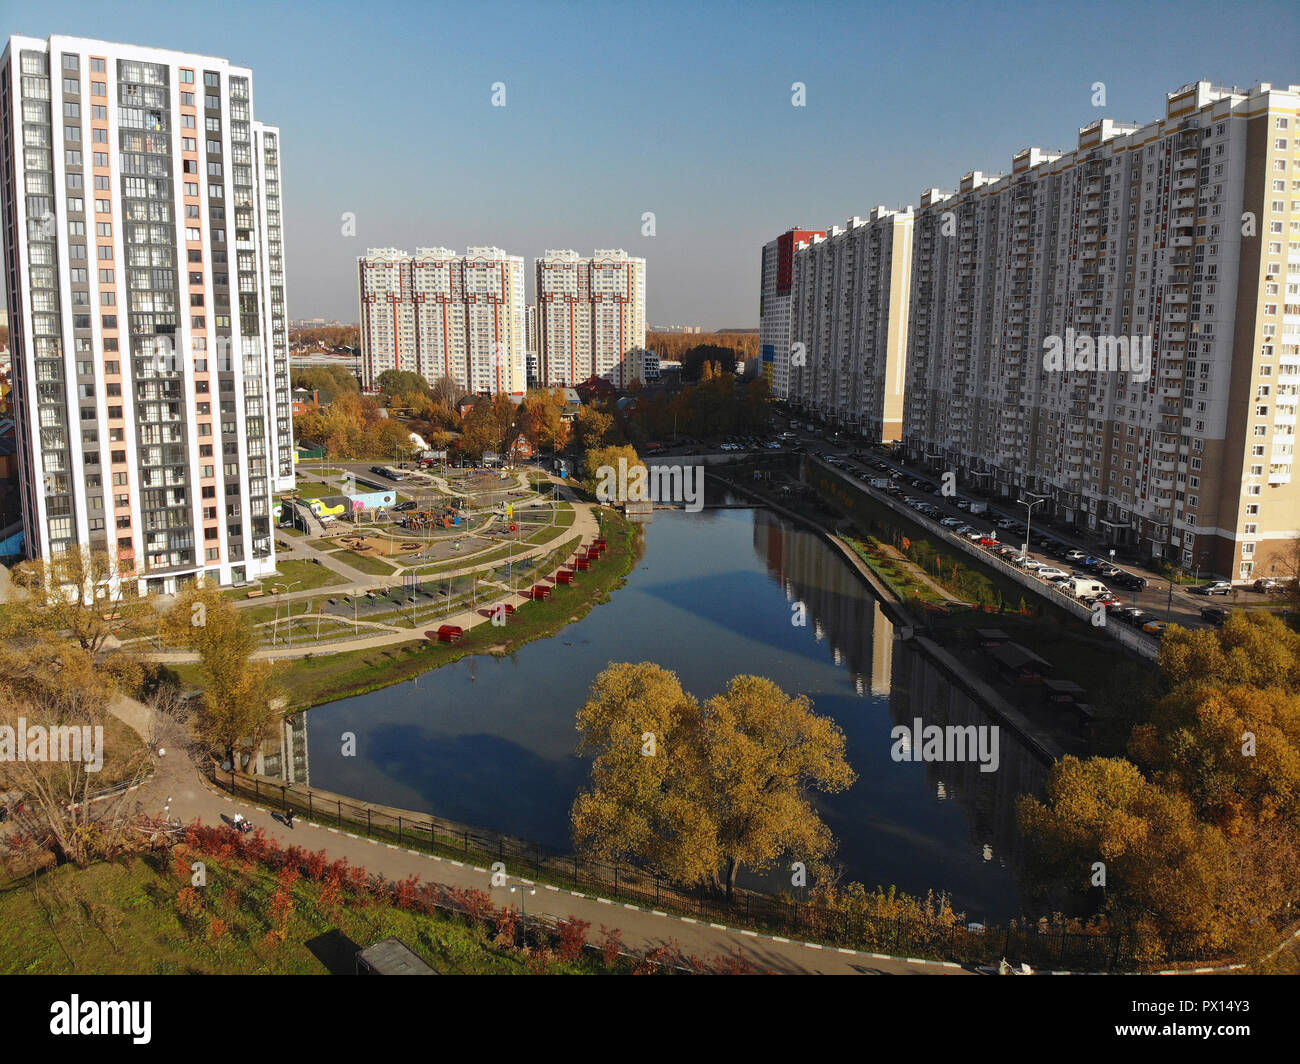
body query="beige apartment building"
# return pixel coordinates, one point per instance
(441, 314)
(590, 317)
(848, 324)
(1113, 332)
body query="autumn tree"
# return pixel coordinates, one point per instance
(592, 427)
(49, 682)
(608, 458)
(541, 418)
(239, 705)
(1168, 878)
(1253, 647)
(696, 790)
(400, 383)
(77, 591)
(446, 391)
(327, 381)
(487, 426)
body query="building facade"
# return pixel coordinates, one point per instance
(590, 316)
(848, 324)
(440, 314)
(776, 274)
(144, 264)
(1113, 333)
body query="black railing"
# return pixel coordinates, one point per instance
(1053, 948)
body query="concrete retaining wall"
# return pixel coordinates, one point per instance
(846, 492)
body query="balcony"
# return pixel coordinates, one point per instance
(1185, 184)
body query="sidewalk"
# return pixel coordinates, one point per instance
(178, 782)
(584, 525)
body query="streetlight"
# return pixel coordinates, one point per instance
(523, 908)
(1029, 515)
(275, 631)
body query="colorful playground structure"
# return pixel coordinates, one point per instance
(425, 520)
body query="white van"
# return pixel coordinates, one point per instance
(1083, 587)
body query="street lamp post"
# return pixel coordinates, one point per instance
(1029, 517)
(275, 631)
(523, 909)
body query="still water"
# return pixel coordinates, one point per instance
(490, 741)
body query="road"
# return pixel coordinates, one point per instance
(1181, 607)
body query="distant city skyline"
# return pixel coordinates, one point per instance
(683, 112)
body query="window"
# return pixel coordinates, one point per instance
(187, 99)
(97, 66)
(97, 89)
(187, 77)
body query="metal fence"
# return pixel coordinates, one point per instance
(1053, 948)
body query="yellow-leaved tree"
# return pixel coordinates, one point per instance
(695, 790)
(239, 706)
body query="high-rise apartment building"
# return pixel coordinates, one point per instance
(144, 265)
(591, 316)
(1114, 331)
(848, 309)
(776, 273)
(440, 314)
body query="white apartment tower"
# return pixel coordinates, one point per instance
(849, 311)
(1182, 238)
(144, 266)
(776, 273)
(591, 316)
(440, 314)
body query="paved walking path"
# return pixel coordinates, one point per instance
(584, 525)
(178, 787)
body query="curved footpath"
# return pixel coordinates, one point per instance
(179, 788)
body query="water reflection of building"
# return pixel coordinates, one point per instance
(839, 609)
(921, 689)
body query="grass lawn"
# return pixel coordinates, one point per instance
(306, 574)
(130, 917)
(367, 563)
(326, 677)
(312, 489)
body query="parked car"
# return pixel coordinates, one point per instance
(1155, 628)
(1216, 615)
(988, 541)
(402, 507)
(1132, 615)
(1130, 582)
(950, 522)
(1050, 572)
(1109, 570)
(1219, 587)
(1268, 585)
(1026, 562)
(1075, 556)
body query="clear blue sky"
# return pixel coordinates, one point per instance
(683, 109)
